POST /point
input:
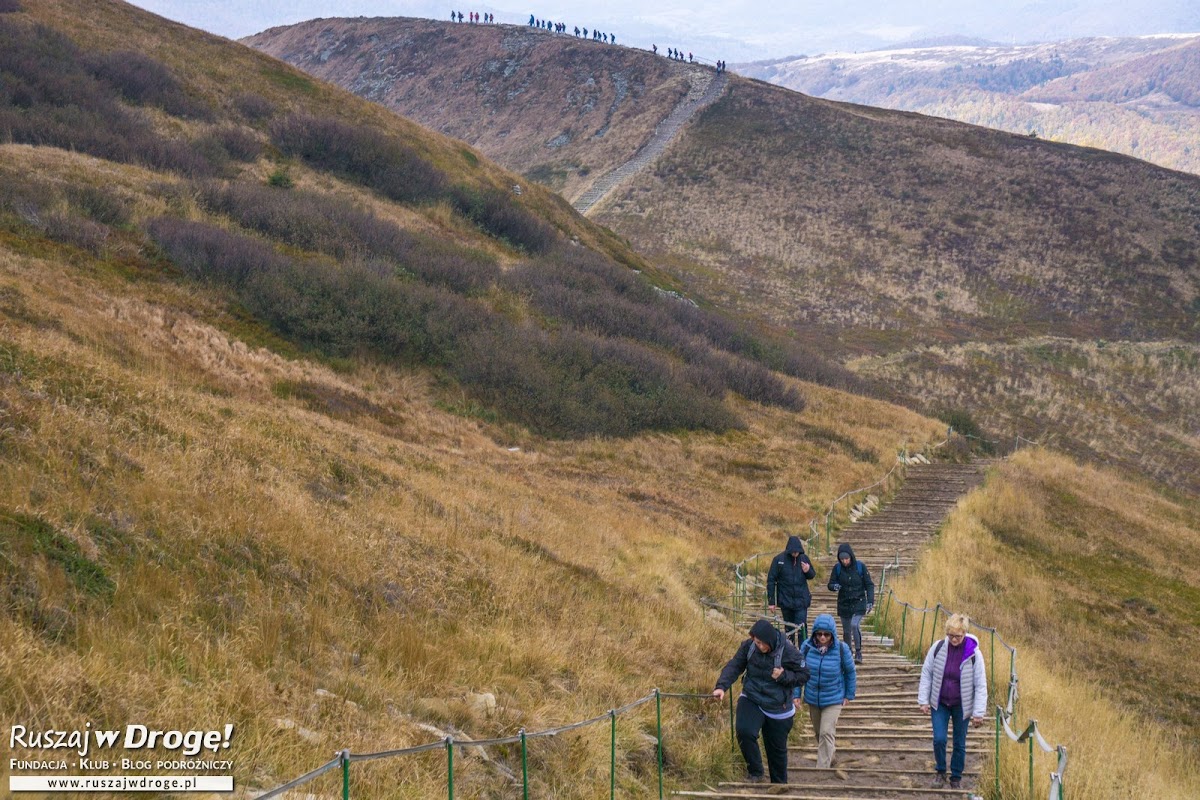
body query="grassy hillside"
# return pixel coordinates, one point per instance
(559, 110)
(894, 234)
(861, 231)
(311, 426)
(1093, 578)
(199, 530)
(1129, 405)
(353, 233)
(888, 228)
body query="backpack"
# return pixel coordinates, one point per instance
(778, 652)
(857, 566)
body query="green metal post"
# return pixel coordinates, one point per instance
(933, 633)
(994, 659)
(997, 759)
(345, 775)
(612, 758)
(450, 766)
(921, 638)
(903, 624)
(732, 730)
(1031, 763)
(524, 767)
(658, 715)
(882, 592)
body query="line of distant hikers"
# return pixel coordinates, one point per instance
(673, 53)
(780, 673)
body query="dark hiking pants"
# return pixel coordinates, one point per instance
(749, 723)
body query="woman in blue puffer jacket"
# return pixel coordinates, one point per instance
(832, 681)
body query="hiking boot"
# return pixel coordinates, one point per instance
(955, 783)
(858, 658)
(939, 782)
(755, 779)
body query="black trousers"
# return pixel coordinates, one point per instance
(750, 721)
(796, 616)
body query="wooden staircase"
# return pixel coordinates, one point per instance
(884, 742)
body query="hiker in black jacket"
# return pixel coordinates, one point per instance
(772, 666)
(787, 588)
(856, 596)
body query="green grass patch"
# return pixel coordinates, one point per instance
(25, 536)
(288, 78)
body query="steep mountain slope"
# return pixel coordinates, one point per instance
(232, 493)
(866, 231)
(250, 477)
(911, 237)
(558, 109)
(1134, 95)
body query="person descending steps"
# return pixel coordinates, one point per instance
(831, 685)
(772, 668)
(855, 596)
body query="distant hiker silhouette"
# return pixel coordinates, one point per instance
(654, 47)
(531, 20)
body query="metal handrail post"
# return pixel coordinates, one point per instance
(658, 715)
(450, 766)
(732, 728)
(524, 767)
(1034, 725)
(612, 758)
(999, 725)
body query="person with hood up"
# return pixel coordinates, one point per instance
(772, 668)
(832, 683)
(856, 596)
(787, 587)
(953, 686)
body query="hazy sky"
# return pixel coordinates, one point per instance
(739, 29)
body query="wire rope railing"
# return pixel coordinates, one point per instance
(747, 577)
(1005, 713)
(749, 573)
(344, 758)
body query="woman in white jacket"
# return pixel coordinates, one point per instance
(953, 689)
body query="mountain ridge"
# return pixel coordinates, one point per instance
(1130, 95)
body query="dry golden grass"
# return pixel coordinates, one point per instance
(1093, 578)
(1131, 404)
(253, 529)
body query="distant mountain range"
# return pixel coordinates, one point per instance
(1136, 95)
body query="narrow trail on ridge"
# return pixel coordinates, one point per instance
(706, 87)
(884, 743)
